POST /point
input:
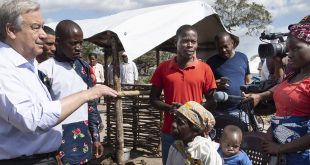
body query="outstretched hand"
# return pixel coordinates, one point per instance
(252, 98)
(100, 90)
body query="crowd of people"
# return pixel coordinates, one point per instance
(49, 95)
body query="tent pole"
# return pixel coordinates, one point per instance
(157, 57)
(106, 54)
(118, 103)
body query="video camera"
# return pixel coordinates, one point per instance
(272, 49)
(258, 87)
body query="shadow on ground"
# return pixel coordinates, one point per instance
(137, 157)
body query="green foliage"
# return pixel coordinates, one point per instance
(88, 48)
(146, 65)
(235, 13)
(148, 60)
(144, 79)
(166, 56)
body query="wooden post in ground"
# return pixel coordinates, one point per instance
(161, 113)
(157, 57)
(106, 54)
(118, 103)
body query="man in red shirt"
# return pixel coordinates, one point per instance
(183, 78)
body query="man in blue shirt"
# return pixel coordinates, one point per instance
(231, 70)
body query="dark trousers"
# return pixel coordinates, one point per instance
(46, 161)
(38, 159)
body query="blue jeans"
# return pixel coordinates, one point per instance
(166, 141)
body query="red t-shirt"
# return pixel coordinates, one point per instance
(292, 99)
(182, 85)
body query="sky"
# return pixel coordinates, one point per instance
(284, 13)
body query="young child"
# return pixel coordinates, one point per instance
(229, 150)
(190, 147)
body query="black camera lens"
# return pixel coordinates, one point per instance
(272, 49)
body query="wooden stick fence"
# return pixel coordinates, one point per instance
(141, 122)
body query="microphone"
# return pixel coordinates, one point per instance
(220, 96)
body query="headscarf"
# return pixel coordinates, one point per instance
(197, 114)
(301, 30)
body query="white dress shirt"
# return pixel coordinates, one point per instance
(129, 73)
(27, 113)
(110, 74)
(264, 72)
(65, 81)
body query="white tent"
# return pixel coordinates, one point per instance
(142, 30)
(139, 31)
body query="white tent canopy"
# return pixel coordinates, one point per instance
(142, 30)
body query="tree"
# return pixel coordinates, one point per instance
(146, 61)
(238, 13)
(88, 48)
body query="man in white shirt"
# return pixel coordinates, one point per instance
(265, 71)
(29, 130)
(67, 67)
(98, 68)
(129, 71)
(48, 46)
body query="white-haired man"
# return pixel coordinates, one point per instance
(29, 120)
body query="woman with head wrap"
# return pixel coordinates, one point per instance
(289, 134)
(191, 147)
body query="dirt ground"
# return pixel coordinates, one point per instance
(137, 157)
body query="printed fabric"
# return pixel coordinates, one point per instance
(77, 142)
(287, 129)
(76, 146)
(83, 70)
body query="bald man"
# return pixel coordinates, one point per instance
(69, 74)
(231, 70)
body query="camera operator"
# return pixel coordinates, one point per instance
(290, 126)
(275, 63)
(270, 72)
(274, 69)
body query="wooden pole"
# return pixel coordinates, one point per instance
(118, 103)
(161, 112)
(107, 100)
(157, 57)
(133, 93)
(105, 61)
